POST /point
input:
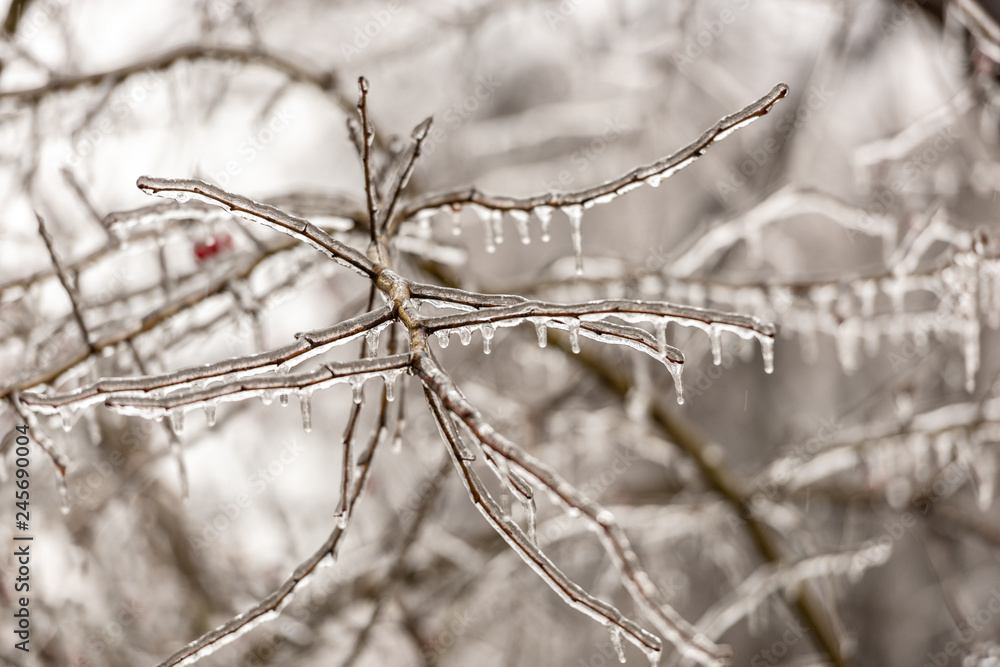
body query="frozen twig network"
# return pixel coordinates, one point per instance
(269, 375)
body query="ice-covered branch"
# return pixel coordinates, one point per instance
(270, 607)
(325, 81)
(651, 174)
(298, 228)
(674, 627)
(308, 345)
(569, 591)
(266, 388)
(543, 314)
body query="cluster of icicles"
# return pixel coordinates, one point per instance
(132, 397)
(764, 334)
(492, 221)
(492, 218)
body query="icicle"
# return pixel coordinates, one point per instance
(390, 385)
(661, 336)
(487, 330)
(371, 342)
(358, 386)
(67, 419)
(616, 641)
(305, 407)
(544, 215)
(456, 220)
(496, 219)
(489, 227)
(675, 371)
(444, 337)
(575, 214)
(573, 327)
(397, 437)
(521, 223)
(465, 335)
(653, 655)
(63, 493)
(715, 335)
(176, 417)
(266, 397)
(541, 333)
(424, 223)
(767, 352)
(970, 338)
(847, 344)
(210, 414)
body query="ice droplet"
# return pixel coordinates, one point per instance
(283, 400)
(541, 333)
(371, 342)
(456, 220)
(397, 437)
(767, 352)
(489, 228)
(675, 371)
(521, 223)
(575, 214)
(444, 337)
(358, 386)
(496, 219)
(544, 215)
(573, 327)
(341, 518)
(616, 642)
(63, 493)
(465, 335)
(176, 421)
(487, 330)
(66, 415)
(653, 181)
(210, 414)
(390, 386)
(305, 407)
(715, 335)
